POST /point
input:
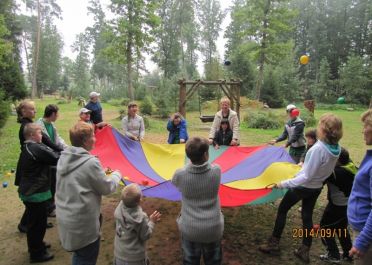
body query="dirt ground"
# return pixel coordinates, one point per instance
(245, 228)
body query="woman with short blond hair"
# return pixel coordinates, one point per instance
(225, 113)
(359, 209)
(81, 182)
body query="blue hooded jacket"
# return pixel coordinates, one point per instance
(182, 128)
(359, 210)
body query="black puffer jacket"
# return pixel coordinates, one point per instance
(35, 161)
(46, 140)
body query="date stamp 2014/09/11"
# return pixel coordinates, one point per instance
(320, 232)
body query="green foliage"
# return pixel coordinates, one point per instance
(308, 118)
(11, 77)
(162, 108)
(270, 93)
(62, 101)
(119, 102)
(263, 120)
(4, 109)
(355, 78)
(80, 70)
(146, 121)
(50, 62)
(147, 106)
(210, 16)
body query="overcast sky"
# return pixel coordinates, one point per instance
(76, 19)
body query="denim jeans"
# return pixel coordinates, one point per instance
(87, 255)
(122, 262)
(193, 251)
(292, 196)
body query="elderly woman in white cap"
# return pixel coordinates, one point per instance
(294, 132)
(225, 113)
(95, 107)
(85, 116)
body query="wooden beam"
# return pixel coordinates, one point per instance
(182, 102)
(202, 82)
(192, 90)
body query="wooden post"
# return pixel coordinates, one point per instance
(182, 96)
(237, 93)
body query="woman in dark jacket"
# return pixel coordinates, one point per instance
(26, 113)
(177, 128)
(224, 135)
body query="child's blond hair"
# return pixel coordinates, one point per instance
(329, 128)
(131, 195)
(367, 117)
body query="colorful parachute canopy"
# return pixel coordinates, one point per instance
(247, 172)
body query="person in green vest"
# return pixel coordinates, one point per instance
(48, 128)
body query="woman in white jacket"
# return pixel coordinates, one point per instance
(81, 182)
(231, 116)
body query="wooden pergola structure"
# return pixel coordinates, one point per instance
(230, 88)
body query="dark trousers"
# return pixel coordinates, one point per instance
(294, 195)
(193, 251)
(24, 218)
(335, 219)
(36, 226)
(53, 182)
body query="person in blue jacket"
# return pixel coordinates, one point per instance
(359, 211)
(177, 128)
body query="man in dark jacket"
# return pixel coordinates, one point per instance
(294, 132)
(34, 189)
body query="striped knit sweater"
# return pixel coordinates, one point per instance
(201, 219)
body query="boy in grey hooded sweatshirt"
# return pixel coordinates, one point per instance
(133, 228)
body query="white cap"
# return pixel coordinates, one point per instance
(84, 110)
(291, 106)
(94, 94)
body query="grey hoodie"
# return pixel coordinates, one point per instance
(133, 228)
(81, 182)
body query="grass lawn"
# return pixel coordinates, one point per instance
(245, 227)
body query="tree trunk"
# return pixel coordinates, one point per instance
(130, 70)
(27, 58)
(130, 55)
(262, 53)
(36, 53)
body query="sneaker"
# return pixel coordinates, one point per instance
(43, 258)
(329, 259)
(22, 228)
(52, 213)
(302, 253)
(347, 258)
(271, 246)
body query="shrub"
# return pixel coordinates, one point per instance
(308, 118)
(263, 120)
(161, 108)
(122, 113)
(62, 101)
(146, 121)
(4, 110)
(146, 106)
